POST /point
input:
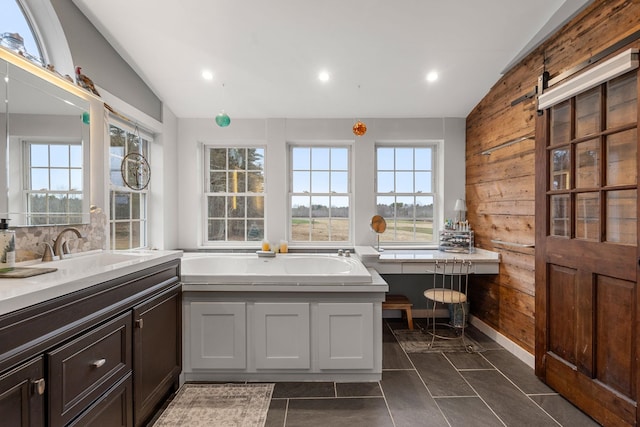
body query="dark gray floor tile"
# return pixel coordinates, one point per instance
(468, 360)
(301, 389)
(517, 371)
(512, 406)
(441, 378)
(349, 412)
(277, 413)
(467, 411)
(486, 342)
(358, 390)
(393, 357)
(563, 411)
(409, 401)
(396, 323)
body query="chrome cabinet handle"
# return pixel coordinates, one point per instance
(98, 363)
(39, 386)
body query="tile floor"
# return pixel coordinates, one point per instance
(491, 388)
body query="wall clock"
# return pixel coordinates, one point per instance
(136, 171)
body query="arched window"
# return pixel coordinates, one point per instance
(16, 31)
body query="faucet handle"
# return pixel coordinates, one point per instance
(47, 254)
(65, 247)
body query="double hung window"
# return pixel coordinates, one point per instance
(128, 206)
(405, 192)
(53, 180)
(234, 194)
(320, 196)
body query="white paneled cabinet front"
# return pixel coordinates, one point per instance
(345, 333)
(281, 335)
(218, 335)
(286, 337)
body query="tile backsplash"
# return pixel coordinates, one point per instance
(29, 239)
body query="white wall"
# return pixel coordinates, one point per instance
(163, 209)
(276, 133)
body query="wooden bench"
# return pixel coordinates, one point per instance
(399, 302)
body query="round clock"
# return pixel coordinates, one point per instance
(135, 170)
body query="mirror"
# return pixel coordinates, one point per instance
(379, 226)
(46, 123)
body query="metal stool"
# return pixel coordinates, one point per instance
(450, 283)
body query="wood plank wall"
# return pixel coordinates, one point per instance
(500, 187)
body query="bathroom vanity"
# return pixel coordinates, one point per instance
(97, 342)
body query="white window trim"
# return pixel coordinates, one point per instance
(149, 137)
(203, 148)
(352, 211)
(437, 178)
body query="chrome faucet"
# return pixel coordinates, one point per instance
(58, 243)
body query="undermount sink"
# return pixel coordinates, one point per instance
(91, 261)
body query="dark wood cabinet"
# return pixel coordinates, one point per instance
(22, 395)
(82, 370)
(113, 409)
(107, 355)
(157, 338)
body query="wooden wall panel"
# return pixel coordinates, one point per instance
(500, 188)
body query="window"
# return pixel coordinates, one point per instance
(592, 161)
(128, 207)
(234, 193)
(53, 183)
(320, 194)
(13, 20)
(405, 195)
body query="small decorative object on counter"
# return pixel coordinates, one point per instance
(284, 246)
(7, 246)
(456, 241)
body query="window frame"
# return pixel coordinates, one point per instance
(115, 190)
(348, 145)
(434, 146)
(205, 150)
(27, 189)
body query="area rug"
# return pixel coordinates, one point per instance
(419, 341)
(224, 405)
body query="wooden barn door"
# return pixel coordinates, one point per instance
(587, 250)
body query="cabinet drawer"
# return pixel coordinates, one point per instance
(113, 409)
(83, 369)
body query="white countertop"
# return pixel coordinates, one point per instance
(76, 272)
(411, 261)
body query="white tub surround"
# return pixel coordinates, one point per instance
(420, 261)
(293, 318)
(76, 272)
(289, 269)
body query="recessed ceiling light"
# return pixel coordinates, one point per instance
(432, 76)
(207, 75)
(324, 76)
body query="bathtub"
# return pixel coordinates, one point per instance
(295, 317)
(284, 269)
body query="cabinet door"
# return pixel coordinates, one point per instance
(281, 335)
(22, 395)
(157, 350)
(218, 335)
(345, 332)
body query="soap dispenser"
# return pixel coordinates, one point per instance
(7, 246)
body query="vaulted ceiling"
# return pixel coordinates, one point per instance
(265, 56)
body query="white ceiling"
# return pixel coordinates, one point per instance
(266, 55)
